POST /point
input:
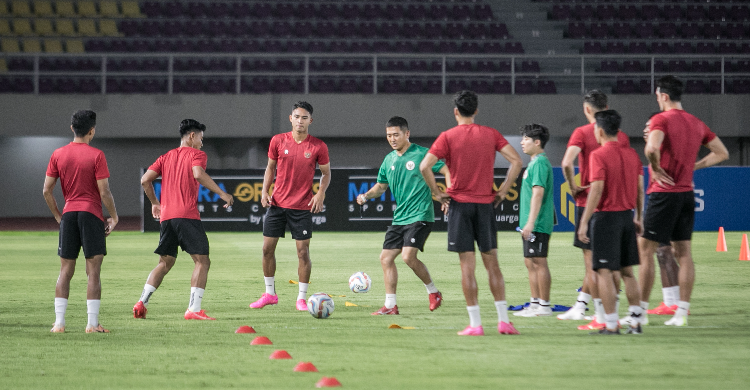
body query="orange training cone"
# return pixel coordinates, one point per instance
(328, 382)
(744, 250)
(305, 367)
(245, 329)
(261, 340)
(280, 354)
(721, 242)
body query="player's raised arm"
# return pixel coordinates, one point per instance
(147, 182)
(718, 154)
(200, 174)
(325, 180)
(49, 186)
(109, 203)
(377, 190)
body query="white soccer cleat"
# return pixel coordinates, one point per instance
(522, 312)
(543, 311)
(677, 321)
(572, 314)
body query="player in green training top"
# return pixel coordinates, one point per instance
(537, 218)
(414, 215)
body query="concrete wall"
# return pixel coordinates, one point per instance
(134, 130)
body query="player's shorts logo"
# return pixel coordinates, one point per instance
(308, 154)
(410, 165)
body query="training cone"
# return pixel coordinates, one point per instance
(744, 250)
(721, 241)
(305, 367)
(328, 382)
(245, 329)
(280, 354)
(261, 340)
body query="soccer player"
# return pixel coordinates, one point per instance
(292, 157)
(582, 142)
(674, 139)
(469, 151)
(414, 215)
(537, 218)
(84, 179)
(616, 178)
(181, 170)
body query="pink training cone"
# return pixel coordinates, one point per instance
(245, 329)
(305, 367)
(328, 382)
(280, 354)
(261, 340)
(721, 241)
(744, 249)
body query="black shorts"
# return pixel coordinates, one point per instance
(576, 242)
(413, 235)
(277, 218)
(469, 222)
(669, 216)
(81, 229)
(185, 233)
(613, 240)
(538, 248)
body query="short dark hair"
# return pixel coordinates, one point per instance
(536, 131)
(671, 86)
(83, 121)
(609, 121)
(399, 122)
(466, 102)
(303, 104)
(190, 125)
(596, 99)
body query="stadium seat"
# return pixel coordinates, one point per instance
(131, 9)
(53, 46)
(10, 45)
(524, 87)
(609, 66)
(32, 46)
(65, 9)
(547, 87)
(615, 48)
(87, 28)
(695, 87)
(87, 9)
(107, 27)
(5, 27)
(43, 27)
(22, 27)
(43, 8)
(20, 8)
(65, 27)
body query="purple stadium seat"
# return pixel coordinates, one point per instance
(740, 13)
(683, 48)
(644, 30)
(67, 86)
(283, 10)
(504, 66)
(447, 47)
(439, 12)
(454, 30)
(627, 12)
(339, 47)
(196, 10)
(592, 47)
(349, 85)
(47, 85)
(154, 65)
(462, 12)
(625, 87)
(501, 87)
(486, 66)
(415, 12)
(705, 48)
(673, 12)
(667, 30)
(712, 30)
(609, 66)
(130, 86)
(258, 29)
(493, 47)
(350, 11)
(173, 9)
(741, 86)
(372, 12)
(616, 47)
(561, 12)
(599, 30)
(433, 30)
(460, 66)
(129, 27)
(360, 47)
(703, 67)
(275, 46)
(220, 85)
(632, 66)
(660, 47)
(547, 87)
(742, 66)
(577, 30)
(584, 12)
(323, 85)
(433, 86)
(152, 9)
(241, 10)
(369, 30)
(218, 10)
(695, 13)
(394, 11)
(481, 86)
(650, 12)
(498, 30)
(714, 86)
(403, 47)
(695, 87)
(678, 66)
(365, 85)
(530, 67)
(637, 48)
(413, 85)
(390, 30)
(690, 31)
(353, 66)
(381, 46)
(728, 48)
(454, 86)
(89, 85)
(717, 13)
(621, 30)
(736, 31)
(262, 10)
(524, 87)
(514, 47)
(471, 47)
(317, 47)
(391, 85)
(605, 12)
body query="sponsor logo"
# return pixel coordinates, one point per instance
(304, 232)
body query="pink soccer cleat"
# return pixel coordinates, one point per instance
(663, 310)
(57, 329)
(139, 310)
(301, 305)
(96, 329)
(197, 315)
(506, 328)
(475, 331)
(593, 325)
(386, 311)
(265, 299)
(436, 299)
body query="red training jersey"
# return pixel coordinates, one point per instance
(79, 166)
(619, 168)
(683, 136)
(179, 189)
(584, 138)
(469, 152)
(295, 169)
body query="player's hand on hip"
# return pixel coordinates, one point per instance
(578, 189)
(583, 233)
(361, 199)
(660, 177)
(499, 197)
(317, 202)
(443, 198)
(227, 198)
(156, 211)
(111, 223)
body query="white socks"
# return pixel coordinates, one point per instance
(390, 301)
(533, 303)
(474, 318)
(599, 310)
(196, 297)
(61, 305)
(636, 313)
(671, 295)
(610, 320)
(302, 291)
(502, 311)
(644, 306)
(543, 303)
(431, 289)
(92, 308)
(583, 300)
(682, 309)
(270, 285)
(146, 294)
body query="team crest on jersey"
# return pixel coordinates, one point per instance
(410, 165)
(308, 154)
(286, 151)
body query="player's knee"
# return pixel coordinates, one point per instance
(303, 253)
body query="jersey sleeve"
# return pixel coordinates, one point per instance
(382, 172)
(273, 148)
(156, 166)
(539, 173)
(200, 159)
(708, 135)
(323, 158)
(101, 170)
(438, 166)
(576, 139)
(52, 170)
(500, 141)
(440, 148)
(658, 122)
(597, 170)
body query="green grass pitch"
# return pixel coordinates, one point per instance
(165, 351)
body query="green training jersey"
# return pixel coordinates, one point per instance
(413, 196)
(538, 173)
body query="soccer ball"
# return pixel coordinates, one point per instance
(360, 282)
(320, 305)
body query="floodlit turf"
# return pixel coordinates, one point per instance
(165, 351)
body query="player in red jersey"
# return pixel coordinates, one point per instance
(674, 139)
(181, 170)
(469, 151)
(292, 157)
(616, 178)
(582, 142)
(84, 178)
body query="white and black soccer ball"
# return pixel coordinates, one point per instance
(320, 305)
(360, 282)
